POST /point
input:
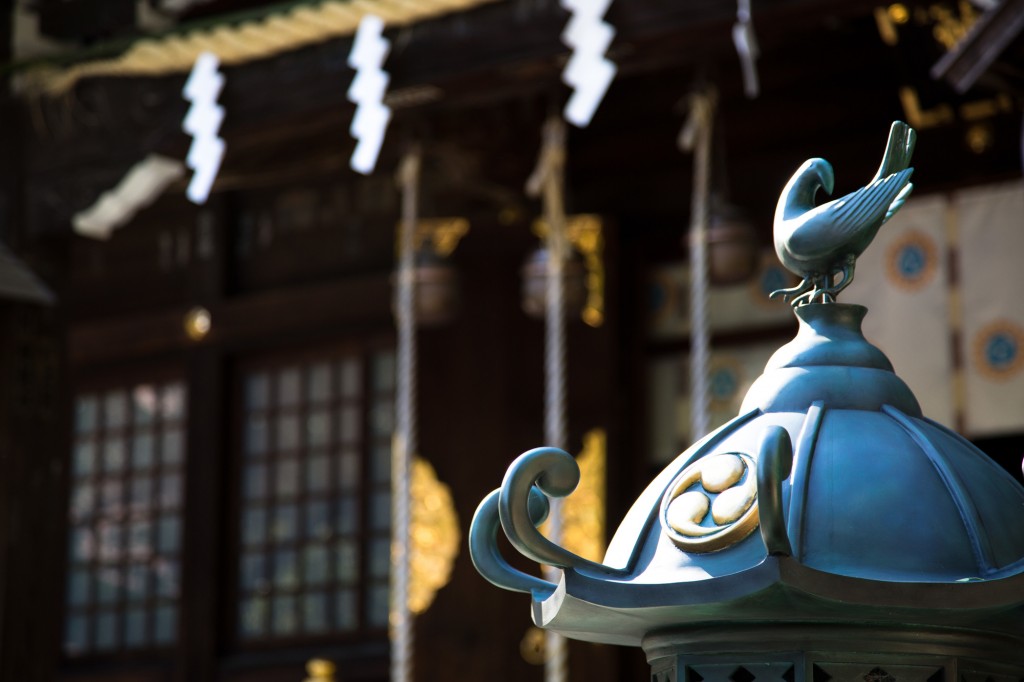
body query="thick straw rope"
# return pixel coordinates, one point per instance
(696, 137)
(405, 440)
(549, 179)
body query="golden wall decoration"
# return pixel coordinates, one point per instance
(443, 234)
(433, 536)
(583, 512)
(584, 232)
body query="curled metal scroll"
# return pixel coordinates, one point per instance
(555, 473)
(774, 464)
(483, 548)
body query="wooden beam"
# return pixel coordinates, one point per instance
(991, 34)
(359, 303)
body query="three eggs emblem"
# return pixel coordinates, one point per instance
(724, 484)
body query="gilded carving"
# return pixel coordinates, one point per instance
(724, 485)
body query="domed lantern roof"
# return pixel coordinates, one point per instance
(829, 530)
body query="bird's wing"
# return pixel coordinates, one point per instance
(898, 150)
(840, 222)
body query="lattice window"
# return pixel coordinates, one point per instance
(315, 512)
(125, 521)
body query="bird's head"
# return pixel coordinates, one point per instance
(818, 173)
(798, 196)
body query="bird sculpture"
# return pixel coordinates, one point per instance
(819, 243)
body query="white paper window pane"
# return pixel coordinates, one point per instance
(143, 447)
(348, 471)
(346, 617)
(288, 387)
(171, 491)
(106, 630)
(172, 446)
(318, 525)
(76, 634)
(256, 436)
(165, 624)
(145, 404)
(173, 402)
(348, 516)
(347, 562)
(169, 534)
(286, 479)
(287, 436)
(317, 473)
(253, 616)
(115, 409)
(254, 526)
(380, 557)
(135, 628)
(286, 569)
(79, 580)
(85, 458)
(377, 606)
(254, 572)
(318, 429)
(319, 386)
(86, 409)
(350, 379)
(257, 392)
(314, 565)
(284, 619)
(314, 612)
(114, 455)
(286, 525)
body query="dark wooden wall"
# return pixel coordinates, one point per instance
(829, 88)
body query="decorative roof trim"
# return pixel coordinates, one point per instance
(290, 29)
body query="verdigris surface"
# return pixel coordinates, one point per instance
(828, 531)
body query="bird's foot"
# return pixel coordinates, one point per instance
(798, 291)
(830, 293)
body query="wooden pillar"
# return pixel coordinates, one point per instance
(200, 626)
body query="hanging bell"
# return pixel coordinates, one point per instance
(438, 298)
(732, 246)
(535, 284)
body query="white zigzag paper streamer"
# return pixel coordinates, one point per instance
(203, 123)
(588, 72)
(369, 50)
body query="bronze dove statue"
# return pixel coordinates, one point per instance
(820, 242)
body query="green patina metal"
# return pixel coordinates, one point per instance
(887, 547)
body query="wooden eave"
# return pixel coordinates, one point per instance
(997, 28)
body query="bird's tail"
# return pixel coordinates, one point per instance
(898, 150)
(898, 201)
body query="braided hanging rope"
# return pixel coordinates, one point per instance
(696, 137)
(405, 417)
(549, 181)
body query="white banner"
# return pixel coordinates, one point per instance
(902, 278)
(731, 372)
(991, 238)
(730, 308)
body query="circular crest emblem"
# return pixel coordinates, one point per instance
(724, 382)
(662, 297)
(724, 485)
(911, 260)
(999, 350)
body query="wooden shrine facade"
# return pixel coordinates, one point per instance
(208, 509)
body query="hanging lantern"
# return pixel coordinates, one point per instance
(535, 276)
(732, 245)
(437, 288)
